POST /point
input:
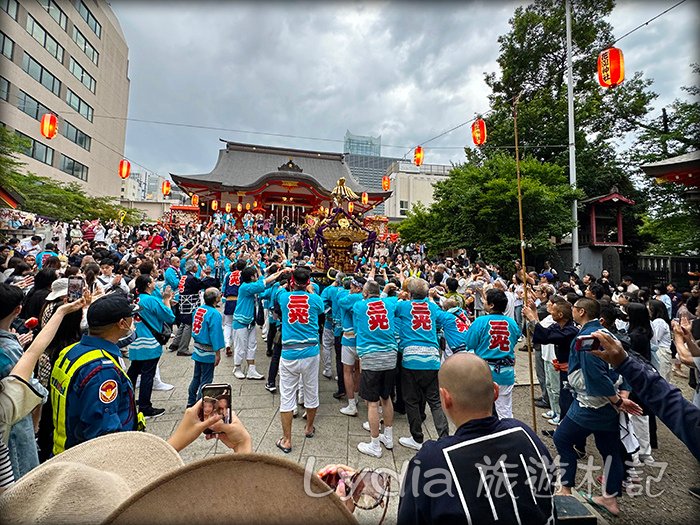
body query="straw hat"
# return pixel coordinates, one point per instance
(234, 488)
(87, 482)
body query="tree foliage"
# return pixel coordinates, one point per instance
(43, 196)
(477, 207)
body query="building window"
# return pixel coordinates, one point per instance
(403, 208)
(41, 74)
(6, 45)
(4, 89)
(75, 135)
(31, 106)
(45, 39)
(79, 105)
(89, 18)
(85, 46)
(37, 150)
(56, 12)
(82, 75)
(10, 7)
(73, 168)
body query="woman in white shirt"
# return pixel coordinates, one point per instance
(661, 340)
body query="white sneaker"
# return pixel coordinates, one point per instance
(647, 460)
(409, 442)
(254, 374)
(238, 373)
(388, 442)
(549, 414)
(365, 425)
(295, 412)
(162, 386)
(367, 448)
(349, 411)
(554, 421)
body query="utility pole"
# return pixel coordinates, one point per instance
(572, 138)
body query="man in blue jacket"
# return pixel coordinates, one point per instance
(208, 335)
(490, 471)
(418, 321)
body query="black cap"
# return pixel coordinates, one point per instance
(109, 309)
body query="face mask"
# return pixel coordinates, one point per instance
(130, 332)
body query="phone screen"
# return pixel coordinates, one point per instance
(75, 288)
(587, 343)
(216, 399)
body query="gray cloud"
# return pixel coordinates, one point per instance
(406, 71)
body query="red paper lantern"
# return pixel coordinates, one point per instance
(49, 125)
(165, 188)
(351, 207)
(611, 67)
(228, 207)
(365, 198)
(195, 200)
(479, 131)
(418, 156)
(214, 205)
(124, 168)
(386, 183)
(247, 206)
(255, 204)
(239, 207)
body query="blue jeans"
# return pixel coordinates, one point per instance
(608, 444)
(203, 374)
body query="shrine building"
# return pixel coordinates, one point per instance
(283, 182)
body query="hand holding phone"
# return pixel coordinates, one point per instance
(216, 399)
(75, 288)
(586, 343)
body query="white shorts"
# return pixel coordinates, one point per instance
(299, 374)
(504, 403)
(348, 355)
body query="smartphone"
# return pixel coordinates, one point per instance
(216, 399)
(586, 343)
(75, 288)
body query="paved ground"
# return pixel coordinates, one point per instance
(337, 436)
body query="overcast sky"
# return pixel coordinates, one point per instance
(407, 71)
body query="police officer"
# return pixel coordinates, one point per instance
(91, 394)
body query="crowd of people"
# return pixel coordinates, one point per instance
(400, 332)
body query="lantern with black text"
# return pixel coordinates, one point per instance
(239, 207)
(214, 205)
(418, 156)
(365, 198)
(49, 125)
(165, 188)
(386, 183)
(351, 207)
(195, 200)
(611, 67)
(124, 168)
(479, 131)
(228, 207)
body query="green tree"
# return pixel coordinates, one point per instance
(477, 208)
(44, 196)
(532, 64)
(672, 221)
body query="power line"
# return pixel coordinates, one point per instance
(648, 21)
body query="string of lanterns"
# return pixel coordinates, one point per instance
(611, 73)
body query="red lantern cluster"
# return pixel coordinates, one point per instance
(386, 183)
(165, 188)
(49, 125)
(418, 156)
(214, 205)
(239, 207)
(611, 67)
(479, 131)
(228, 207)
(124, 169)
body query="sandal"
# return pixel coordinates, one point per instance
(312, 433)
(598, 506)
(286, 450)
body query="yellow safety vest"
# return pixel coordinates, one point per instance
(61, 377)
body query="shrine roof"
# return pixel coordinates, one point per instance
(684, 169)
(245, 166)
(613, 196)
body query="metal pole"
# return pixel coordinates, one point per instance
(524, 267)
(572, 138)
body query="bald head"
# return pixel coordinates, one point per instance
(467, 379)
